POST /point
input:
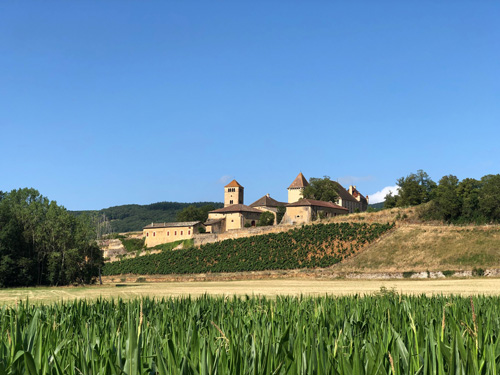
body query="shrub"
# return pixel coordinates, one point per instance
(477, 271)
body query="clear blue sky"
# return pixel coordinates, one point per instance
(113, 102)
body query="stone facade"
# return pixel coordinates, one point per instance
(233, 193)
(307, 210)
(158, 233)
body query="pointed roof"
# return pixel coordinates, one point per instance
(299, 182)
(233, 183)
(267, 201)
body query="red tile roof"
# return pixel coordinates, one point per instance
(233, 183)
(299, 182)
(267, 201)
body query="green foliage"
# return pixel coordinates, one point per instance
(390, 200)
(408, 274)
(266, 218)
(489, 197)
(41, 243)
(132, 244)
(193, 213)
(322, 189)
(376, 206)
(280, 213)
(448, 202)
(476, 271)
(134, 217)
(312, 246)
(383, 334)
(414, 189)
(448, 273)
(465, 201)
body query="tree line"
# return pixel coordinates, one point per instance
(134, 217)
(451, 200)
(41, 243)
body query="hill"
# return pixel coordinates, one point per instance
(310, 246)
(133, 217)
(418, 248)
(377, 206)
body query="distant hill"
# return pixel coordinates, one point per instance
(133, 217)
(377, 206)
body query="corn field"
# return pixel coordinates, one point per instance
(382, 334)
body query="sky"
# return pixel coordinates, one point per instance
(104, 103)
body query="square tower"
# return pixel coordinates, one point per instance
(233, 193)
(295, 190)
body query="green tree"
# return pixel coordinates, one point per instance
(322, 189)
(415, 189)
(468, 191)
(279, 215)
(489, 197)
(390, 200)
(266, 218)
(40, 241)
(448, 202)
(193, 213)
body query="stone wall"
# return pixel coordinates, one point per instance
(204, 238)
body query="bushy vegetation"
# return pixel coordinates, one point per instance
(266, 218)
(385, 334)
(41, 243)
(134, 217)
(451, 200)
(320, 245)
(132, 244)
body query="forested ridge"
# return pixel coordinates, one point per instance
(320, 245)
(133, 217)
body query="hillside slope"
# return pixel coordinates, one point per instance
(310, 246)
(420, 247)
(133, 217)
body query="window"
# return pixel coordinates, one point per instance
(189, 232)
(154, 234)
(168, 233)
(182, 232)
(231, 201)
(147, 234)
(175, 233)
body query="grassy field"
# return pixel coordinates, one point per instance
(269, 288)
(417, 247)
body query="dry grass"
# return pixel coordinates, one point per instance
(270, 288)
(418, 247)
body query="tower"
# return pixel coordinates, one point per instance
(296, 189)
(233, 193)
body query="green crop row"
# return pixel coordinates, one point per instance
(311, 246)
(386, 334)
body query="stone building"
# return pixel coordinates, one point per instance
(236, 216)
(233, 193)
(307, 210)
(266, 203)
(351, 199)
(158, 233)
